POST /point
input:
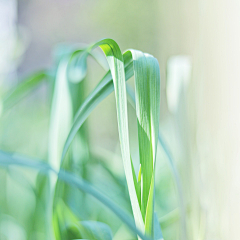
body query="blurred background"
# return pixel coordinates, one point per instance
(197, 45)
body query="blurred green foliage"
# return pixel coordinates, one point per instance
(25, 194)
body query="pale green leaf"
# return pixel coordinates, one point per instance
(143, 121)
(147, 89)
(61, 115)
(23, 88)
(131, 98)
(60, 124)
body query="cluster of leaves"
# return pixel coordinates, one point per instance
(68, 114)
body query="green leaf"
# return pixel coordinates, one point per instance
(131, 98)
(61, 114)
(22, 89)
(147, 88)
(60, 124)
(143, 120)
(115, 61)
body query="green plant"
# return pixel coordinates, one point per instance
(63, 128)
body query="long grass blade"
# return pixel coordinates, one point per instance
(115, 61)
(60, 124)
(143, 120)
(147, 88)
(61, 115)
(131, 98)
